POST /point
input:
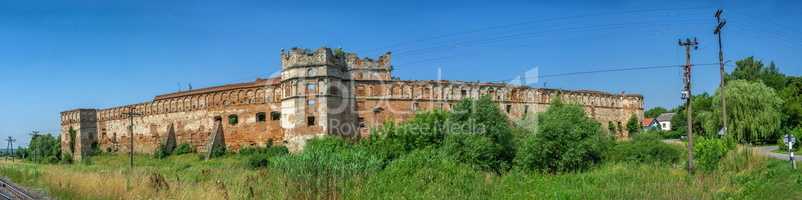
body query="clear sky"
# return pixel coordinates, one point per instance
(60, 55)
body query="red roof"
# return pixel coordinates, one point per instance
(647, 121)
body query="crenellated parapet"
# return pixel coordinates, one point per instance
(300, 57)
(382, 63)
(458, 90)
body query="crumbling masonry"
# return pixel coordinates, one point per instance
(324, 92)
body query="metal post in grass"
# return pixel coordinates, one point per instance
(789, 141)
(131, 115)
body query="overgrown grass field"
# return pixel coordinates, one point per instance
(741, 176)
(471, 152)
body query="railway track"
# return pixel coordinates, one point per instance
(10, 191)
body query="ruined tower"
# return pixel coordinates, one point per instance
(317, 95)
(79, 132)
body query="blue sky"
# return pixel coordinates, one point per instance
(59, 55)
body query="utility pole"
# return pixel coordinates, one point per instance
(721, 23)
(131, 115)
(34, 134)
(10, 148)
(686, 95)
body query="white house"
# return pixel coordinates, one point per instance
(665, 121)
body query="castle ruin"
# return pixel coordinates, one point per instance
(324, 92)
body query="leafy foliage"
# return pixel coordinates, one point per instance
(425, 174)
(654, 112)
(44, 148)
(475, 132)
(633, 125)
(183, 148)
(753, 111)
(611, 128)
(259, 156)
(751, 69)
(792, 103)
(708, 152)
(645, 148)
(490, 126)
(567, 140)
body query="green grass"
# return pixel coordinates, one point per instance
(740, 176)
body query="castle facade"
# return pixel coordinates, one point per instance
(321, 92)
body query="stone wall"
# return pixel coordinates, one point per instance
(314, 85)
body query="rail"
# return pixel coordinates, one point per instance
(13, 190)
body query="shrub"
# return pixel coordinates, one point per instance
(323, 161)
(633, 125)
(708, 152)
(477, 151)
(257, 160)
(218, 151)
(44, 148)
(645, 148)
(484, 118)
(161, 152)
(425, 174)
(183, 148)
(566, 140)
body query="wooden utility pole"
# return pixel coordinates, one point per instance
(686, 95)
(720, 25)
(10, 147)
(34, 134)
(131, 115)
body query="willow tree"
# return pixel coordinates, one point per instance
(753, 111)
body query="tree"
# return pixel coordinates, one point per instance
(484, 136)
(566, 140)
(747, 69)
(633, 125)
(611, 128)
(751, 69)
(753, 111)
(792, 103)
(44, 148)
(654, 112)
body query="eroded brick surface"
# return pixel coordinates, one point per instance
(323, 92)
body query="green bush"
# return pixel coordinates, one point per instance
(566, 140)
(161, 152)
(323, 161)
(708, 152)
(259, 156)
(484, 118)
(477, 151)
(258, 160)
(425, 174)
(218, 151)
(672, 134)
(44, 148)
(645, 148)
(183, 148)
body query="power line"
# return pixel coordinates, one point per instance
(532, 22)
(614, 69)
(524, 35)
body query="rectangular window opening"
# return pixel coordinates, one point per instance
(275, 116)
(310, 121)
(261, 117)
